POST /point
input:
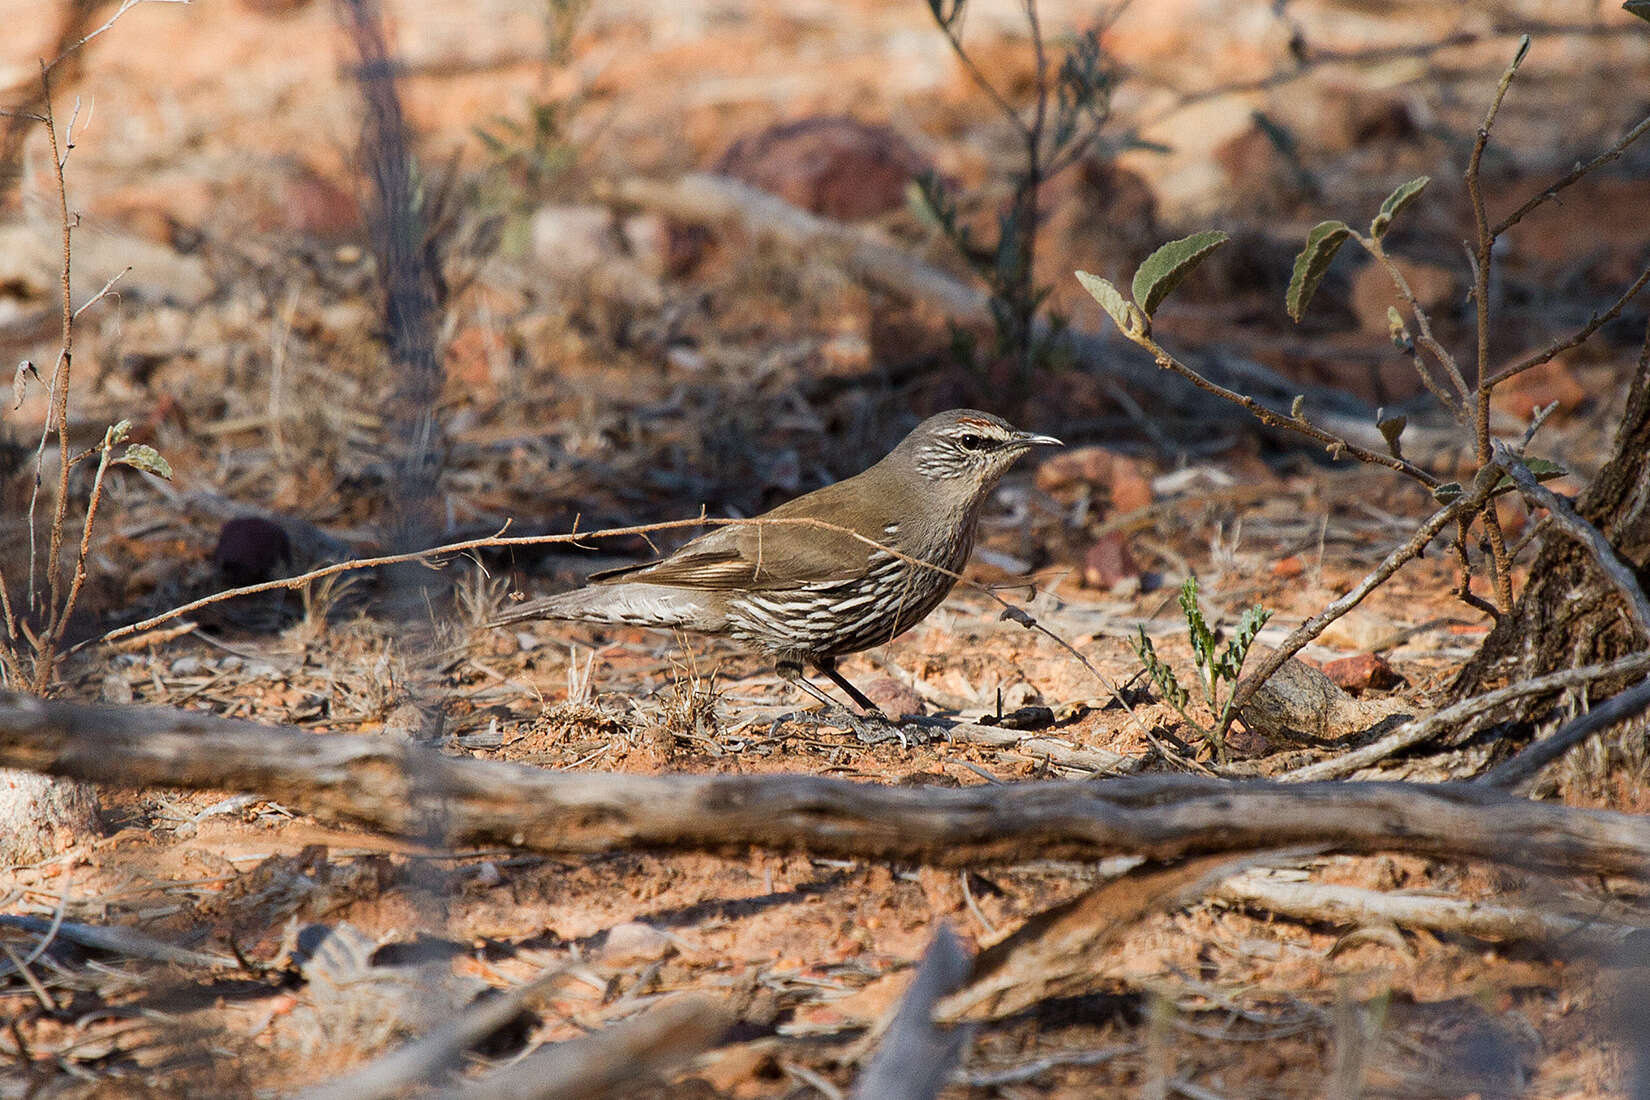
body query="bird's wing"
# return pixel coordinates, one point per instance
(753, 556)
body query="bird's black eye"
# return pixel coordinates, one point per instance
(971, 442)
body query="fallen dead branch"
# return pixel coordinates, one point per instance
(392, 787)
(915, 1058)
(1457, 716)
(1343, 905)
(596, 1065)
(437, 1051)
(1618, 708)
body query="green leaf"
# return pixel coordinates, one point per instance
(117, 433)
(1395, 202)
(1165, 268)
(1237, 650)
(141, 456)
(1162, 675)
(1545, 469)
(1640, 8)
(1322, 243)
(1447, 493)
(1197, 628)
(1123, 313)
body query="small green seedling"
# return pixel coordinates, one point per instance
(1218, 668)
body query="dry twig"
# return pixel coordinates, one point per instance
(1457, 716)
(599, 1064)
(1342, 905)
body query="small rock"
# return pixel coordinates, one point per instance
(1131, 490)
(1018, 694)
(634, 942)
(1435, 289)
(1109, 563)
(1522, 394)
(1298, 702)
(839, 167)
(250, 550)
(1288, 568)
(186, 666)
(411, 722)
(1360, 673)
(1128, 486)
(895, 699)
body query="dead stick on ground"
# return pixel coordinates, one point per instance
(1618, 708)
(598, 1064)
(1456, 717)
(1348, 905)
(387, 786)
(422, 1059)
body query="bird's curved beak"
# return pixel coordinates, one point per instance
(1029, 439)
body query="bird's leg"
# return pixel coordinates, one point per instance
(791, 673)
(872, 727)
(827, 665)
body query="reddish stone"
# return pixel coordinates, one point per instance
(1289, 567)
(1522, 394)
(1109, 563)
(895, 698)
(839, 167)
(1365, 671)
(1129, 487)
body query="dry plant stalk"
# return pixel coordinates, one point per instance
(30, 655)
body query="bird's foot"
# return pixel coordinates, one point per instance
(871, 727)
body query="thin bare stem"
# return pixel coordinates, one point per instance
(1551, 191)
(1463, 590)
(1576, 338)
(1423, 322)
(1567, 518)
(60, 623)
(1335, 444)
(59, 414)
(1501, 565)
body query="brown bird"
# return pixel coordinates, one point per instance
(789, 586)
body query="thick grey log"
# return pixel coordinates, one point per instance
(396, 788)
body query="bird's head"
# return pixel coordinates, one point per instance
(966, 448)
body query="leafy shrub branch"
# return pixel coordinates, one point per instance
(1465, 392)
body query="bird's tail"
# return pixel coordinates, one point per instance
(636, 604)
